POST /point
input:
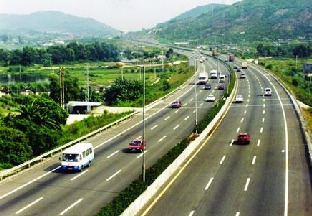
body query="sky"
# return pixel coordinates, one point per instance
(124, 15)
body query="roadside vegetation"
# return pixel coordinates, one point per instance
(289, 70)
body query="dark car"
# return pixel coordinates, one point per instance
(242, 76)
(207, 86)
(176, 104)
(220, 87)
(243, 138)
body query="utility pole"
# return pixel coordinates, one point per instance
(62, 94)
(143, 131)
(88, 90)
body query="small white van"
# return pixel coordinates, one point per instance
(77, 157)
(267, 92)
(222, 78)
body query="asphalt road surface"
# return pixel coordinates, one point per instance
(270, 176)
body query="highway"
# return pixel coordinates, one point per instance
(44, 190)
(270, 176)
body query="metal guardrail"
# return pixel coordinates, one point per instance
(27, 164)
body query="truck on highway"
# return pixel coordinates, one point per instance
(202, 78)
(244, 65)
(213, 74)
(231, 58)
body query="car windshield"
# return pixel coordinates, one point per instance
(70, 157)
(136, 142)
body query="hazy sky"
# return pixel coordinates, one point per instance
(126, 15)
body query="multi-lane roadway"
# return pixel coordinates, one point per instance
(44, 190)
(270, 176)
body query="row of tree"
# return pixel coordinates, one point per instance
(300, 51)
(60, 54)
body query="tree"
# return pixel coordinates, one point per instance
(72, 90)
(16, 57)
(302, 51)
(123, 90)
(44, 112)
(14, 146)
(169, 53)
(29, 56)
(40, 119)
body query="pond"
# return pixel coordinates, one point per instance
(22, 78)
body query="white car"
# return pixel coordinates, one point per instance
(210, 98)
(267, 92)
(239, 99)
(243, 76)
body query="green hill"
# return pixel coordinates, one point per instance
(244, 21)
(53, 22)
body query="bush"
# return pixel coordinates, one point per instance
(269, 66)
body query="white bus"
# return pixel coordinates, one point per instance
(202, 78)
(77, 157)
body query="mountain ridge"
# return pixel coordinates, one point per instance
(53, 21)
(246, 20)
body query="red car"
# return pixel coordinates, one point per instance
(176, 104)
(243, 138)
(137, 145)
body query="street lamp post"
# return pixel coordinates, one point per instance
(143, 129)
(195, 97)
